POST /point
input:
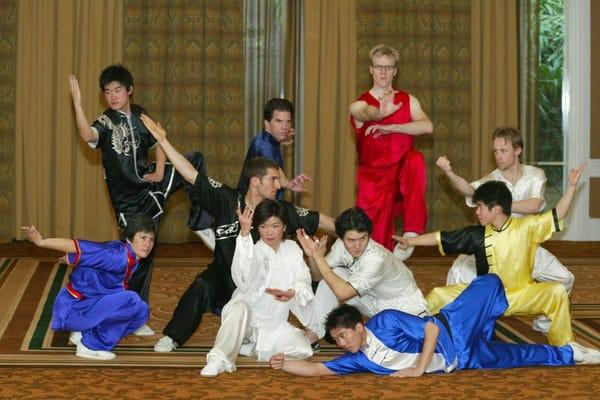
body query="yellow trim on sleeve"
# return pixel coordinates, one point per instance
(438, 238)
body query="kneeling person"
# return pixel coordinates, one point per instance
(272, 279)
(95, 304)
(459, 337)
(358, 271)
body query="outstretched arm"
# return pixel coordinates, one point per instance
(85, 130)
(562, 207)
(420, 124)
(60, 244)
(426, 239)
(298, 367)
(181, 164)
(457, 181)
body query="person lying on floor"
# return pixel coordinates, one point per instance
(459, 337)
(95, 305)
(272, 279)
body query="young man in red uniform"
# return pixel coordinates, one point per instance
(391, 173)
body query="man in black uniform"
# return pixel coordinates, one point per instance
(134, 185)
(213, 287)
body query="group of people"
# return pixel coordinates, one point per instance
(258, 276)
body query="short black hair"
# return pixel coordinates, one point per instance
(116, 73)
(353, 219)
(269, 208)
(139, 223)
(494, 193)
(258, 166)
(276, 104)
(344, 316)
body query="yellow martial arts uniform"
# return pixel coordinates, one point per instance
(509, 252)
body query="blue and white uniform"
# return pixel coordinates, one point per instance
(465, 341)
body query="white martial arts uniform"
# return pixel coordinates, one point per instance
(254, 322)
(379, 278)
(546, 267)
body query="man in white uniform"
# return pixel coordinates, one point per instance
(271, 278)
(357, 271)
(526, 184)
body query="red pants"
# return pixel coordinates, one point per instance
(386, 193)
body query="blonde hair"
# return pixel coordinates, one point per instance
(384, 50)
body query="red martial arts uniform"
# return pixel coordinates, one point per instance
(391, 175)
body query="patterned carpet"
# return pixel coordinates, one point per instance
(28, 286)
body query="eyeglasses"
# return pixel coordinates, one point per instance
(386, 68)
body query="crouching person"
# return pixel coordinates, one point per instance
(95, 305)
(272, 279)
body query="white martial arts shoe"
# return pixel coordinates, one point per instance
(208, 238)
(75, 337)
(144, 330)
(84, 352)
(213, 368)
(403, 254)
(165, 345)
(541, 324)
(584, 355)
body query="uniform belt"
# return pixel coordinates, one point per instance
(442, 318)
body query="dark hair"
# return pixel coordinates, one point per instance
(344, 316)
(276, 104)
(258, 166)
(353, 219)
(267, 209)
(116, 73)
(139, 223)
(494, 193)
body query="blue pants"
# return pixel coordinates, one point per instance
(102, 320)
(472, 317)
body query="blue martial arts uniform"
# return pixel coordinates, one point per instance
(465, 341)
(96, 301)
(262, 145)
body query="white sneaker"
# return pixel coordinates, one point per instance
(213, 368)
(541, 324)
(584, 355)
(144, 330)
(75, 338)
(208, 237)
(165, 345)
(403, 254)
(84, 352)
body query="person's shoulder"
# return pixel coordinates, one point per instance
(536, 172)
(137, 110)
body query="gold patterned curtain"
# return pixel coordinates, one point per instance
(59, 183)
(433, 39)
(8, 62)
(187, 59)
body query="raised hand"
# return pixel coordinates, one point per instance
(312, 247)
(155, 128)
(33, 234)
(74, 88)
(575, 174)
(297, 184)
(245, 219)
(290, 137)
(386, 104)
(444, 164)
(281, 295)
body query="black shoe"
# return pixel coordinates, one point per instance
(315, 346)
